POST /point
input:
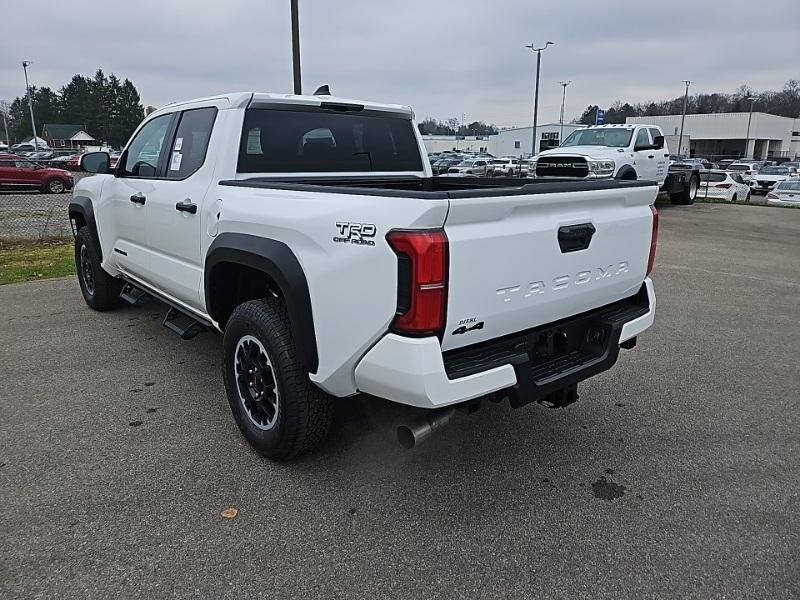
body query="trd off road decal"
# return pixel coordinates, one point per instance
(360, 234)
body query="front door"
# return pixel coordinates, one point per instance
(174, 208)
(646, 160)
(125, 198)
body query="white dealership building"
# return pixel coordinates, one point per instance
(515, 141)
(726, 134)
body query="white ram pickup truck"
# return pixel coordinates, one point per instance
(625, 152)
(310, 232)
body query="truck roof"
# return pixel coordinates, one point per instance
(245, 99)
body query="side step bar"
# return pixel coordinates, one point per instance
(177, 319)
(181, 323)
(133, 295)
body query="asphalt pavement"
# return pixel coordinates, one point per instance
(675, 476)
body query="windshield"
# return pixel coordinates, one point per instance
(616, 137)
(466, 163)
(774, 171)
(788, 186)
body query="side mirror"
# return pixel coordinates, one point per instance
(658, 142)
(95, 162)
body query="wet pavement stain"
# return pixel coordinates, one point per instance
(135, 423)
(151, 410)
(608, 490)
(608, 471)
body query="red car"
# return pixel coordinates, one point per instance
(19, 172)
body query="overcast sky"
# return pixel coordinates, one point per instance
(444, 58)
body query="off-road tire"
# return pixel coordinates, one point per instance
(100, 290)
(54, 185)
(685, 197)
(305, 412)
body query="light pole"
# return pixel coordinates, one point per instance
(749, 119)
(298, 88)
(536, 91)
(25, 65)
(564, 85)
(683, 115)
(5, 125)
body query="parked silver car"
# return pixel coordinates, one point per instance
(473, 166)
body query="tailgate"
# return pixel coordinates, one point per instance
(519, 261)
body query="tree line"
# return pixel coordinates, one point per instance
(785, 103)
(105, 107)
(453, 126)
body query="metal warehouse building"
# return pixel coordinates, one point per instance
(726, 134)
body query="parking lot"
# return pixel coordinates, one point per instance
(677, 474)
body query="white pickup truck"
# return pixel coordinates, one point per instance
(310, 232)
(628, 152)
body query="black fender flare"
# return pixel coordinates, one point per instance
(625, 170)
(81, 205)
(278, 261)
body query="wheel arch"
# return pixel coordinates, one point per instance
(81, 213)
(241, 267)
(627, 173)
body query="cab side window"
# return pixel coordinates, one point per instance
(654, 133)
(642, 138)
(189, 147)
(145, 149)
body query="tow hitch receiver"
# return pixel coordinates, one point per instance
(561, 398)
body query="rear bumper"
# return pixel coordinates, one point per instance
(414, 371)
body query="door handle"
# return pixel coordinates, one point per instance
(187, 206)
(138, 198)
(651, 156)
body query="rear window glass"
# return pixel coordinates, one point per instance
(713, 177)
(286, 141)
(774, 171)
(738, 168)
(789, 186)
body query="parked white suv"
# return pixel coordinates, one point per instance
(623, 152)
(764, 181)
(310, 232)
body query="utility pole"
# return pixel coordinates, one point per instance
(683, 115)
(564, 85)
(298, 87)
(536, 90)
(749, 119)
(25, 65)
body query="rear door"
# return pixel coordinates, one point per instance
(516, 261)
(8, 172)
(174, 207)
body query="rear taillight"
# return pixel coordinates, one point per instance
(422, 263)
(653, 241)
(724, 186)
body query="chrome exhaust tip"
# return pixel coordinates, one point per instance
(417, 431)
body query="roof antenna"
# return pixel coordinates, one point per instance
(323, 90)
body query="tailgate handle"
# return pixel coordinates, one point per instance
(572, 238)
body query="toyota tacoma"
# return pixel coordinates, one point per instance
(310, 233)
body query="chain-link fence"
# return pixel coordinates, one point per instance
(31, 215)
